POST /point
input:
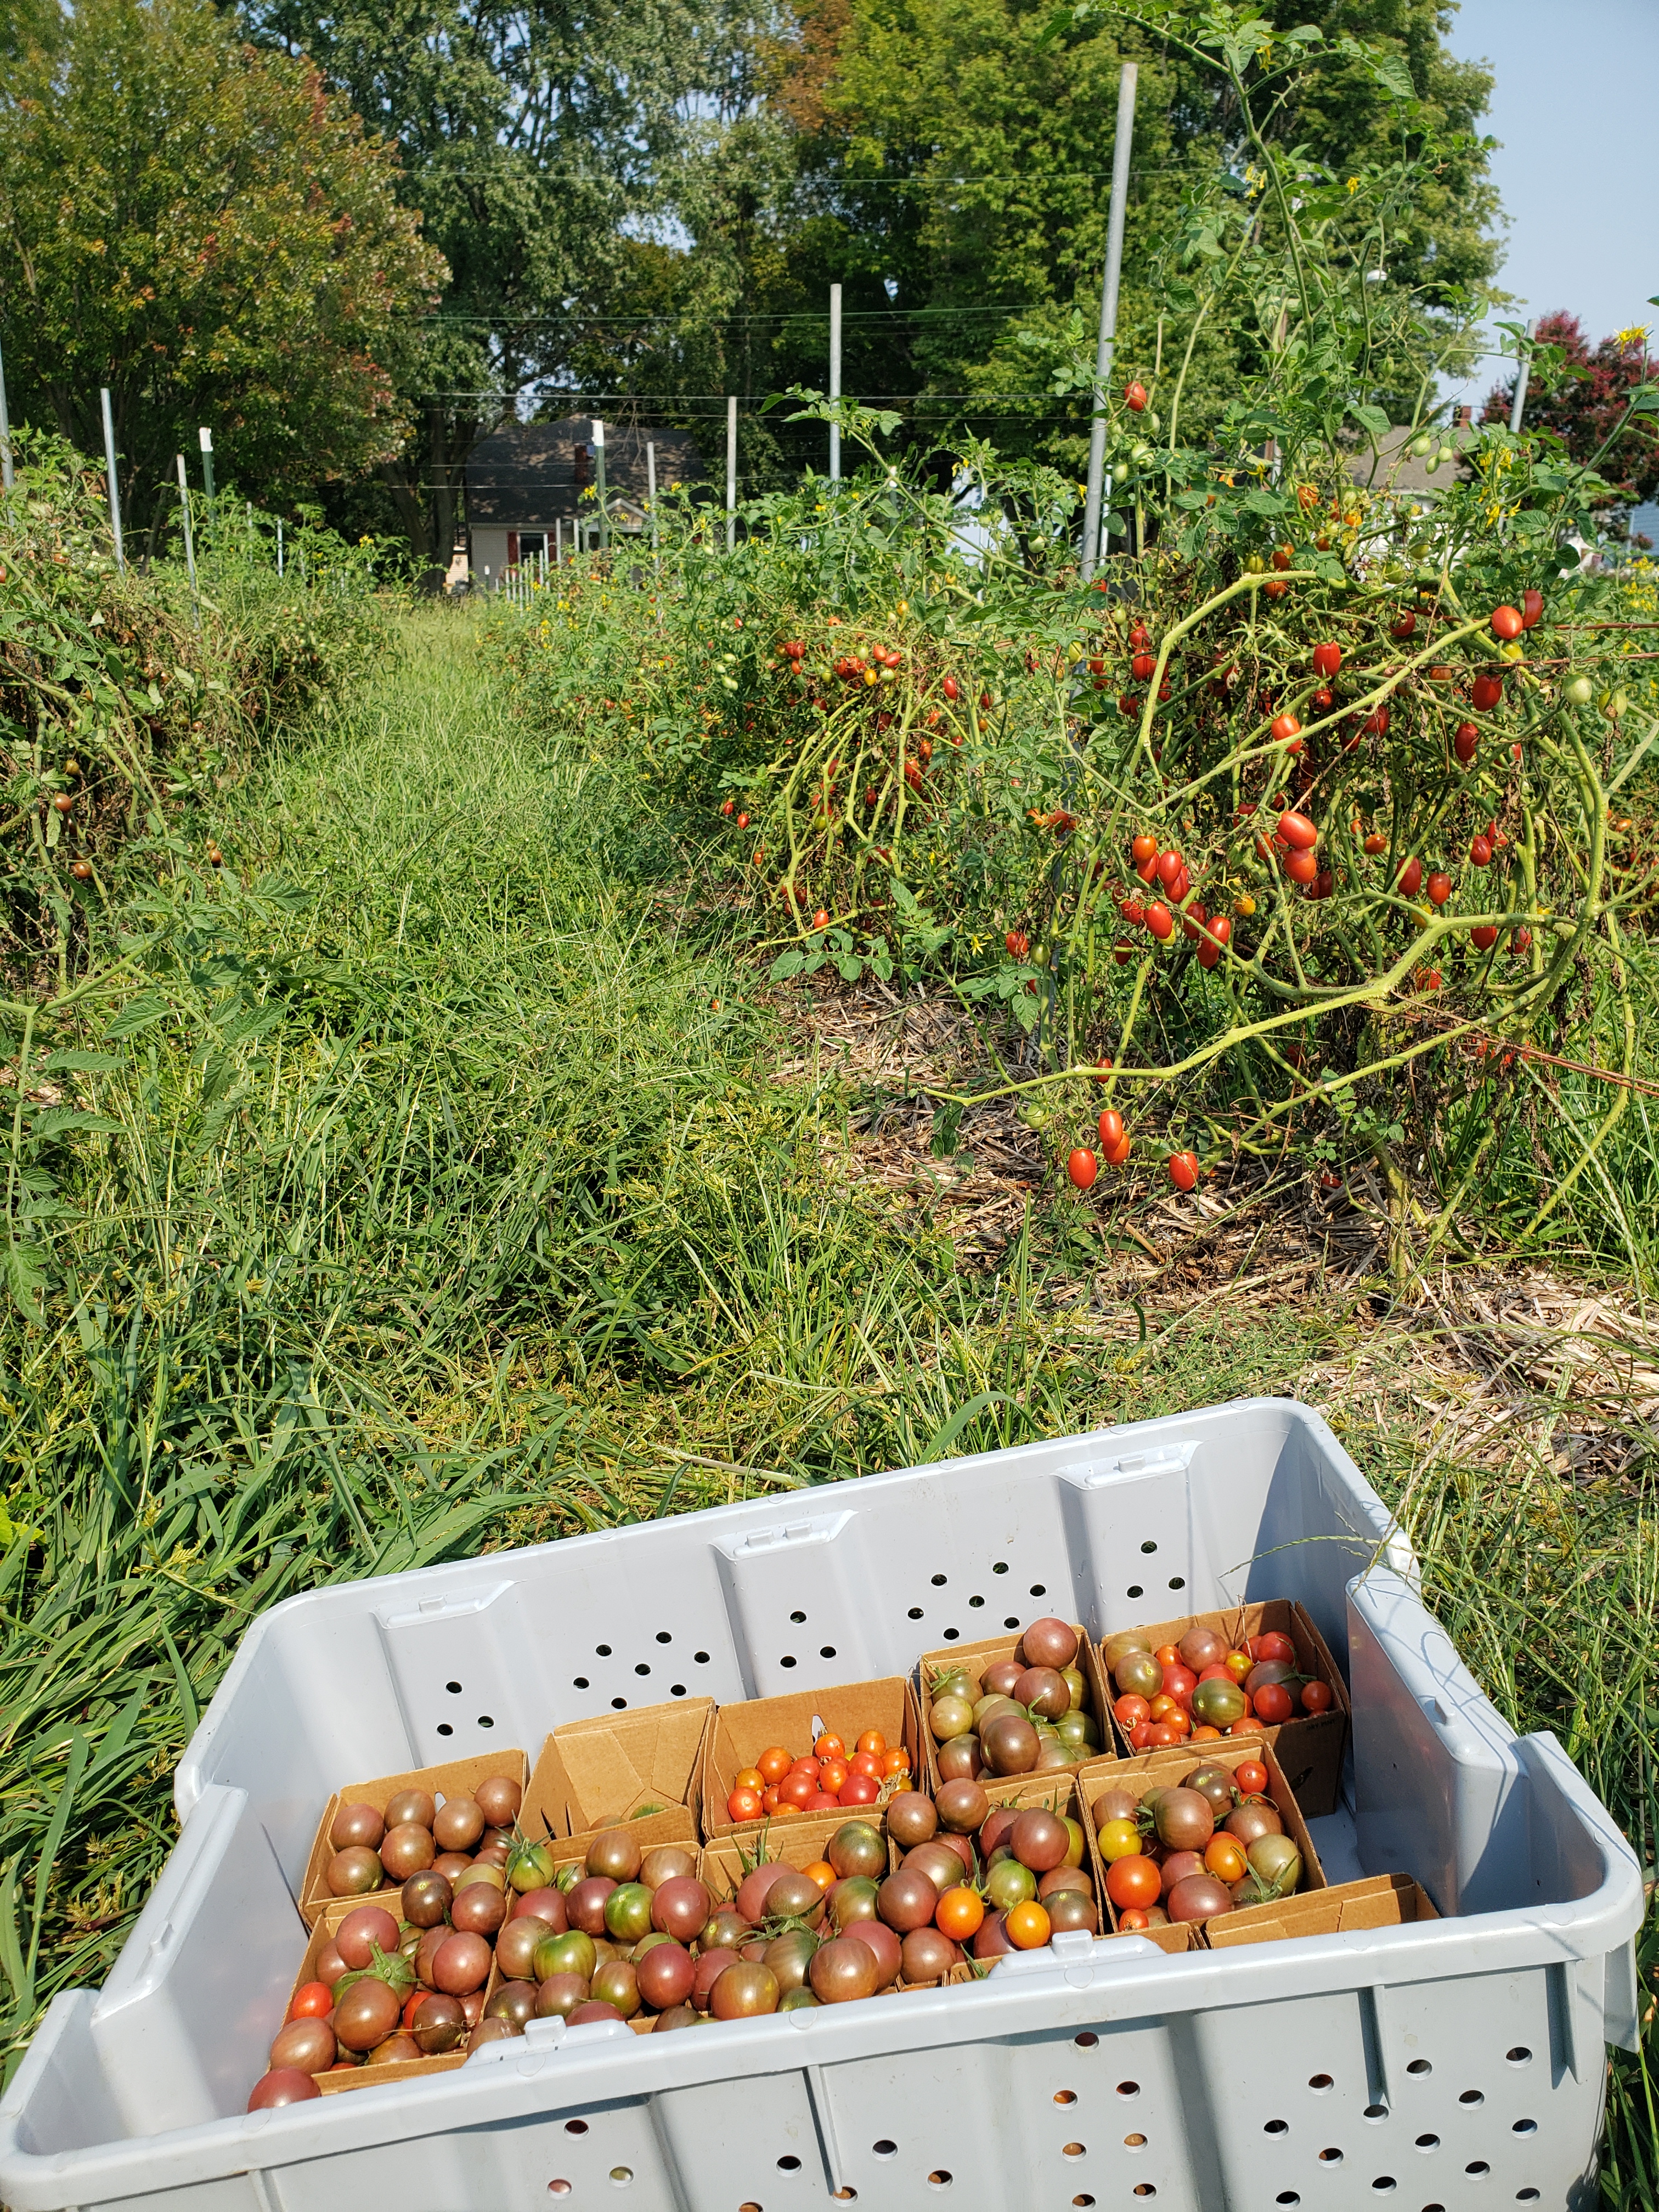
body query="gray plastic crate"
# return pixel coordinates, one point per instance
(1411, 2064)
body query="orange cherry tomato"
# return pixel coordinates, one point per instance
(1250, 1776)
(311, 2000)
(1238, 1664)
(1223, 1857)
(873, 1742)
(1159, 1733)
(1205, 1734)
(1182, 1722)
(1132, 1922)
(1167, 1656)
(832, 1774)
(896, 1761)
(1027, 1926)
(746, 1805)
(770, 1798)
(1216, 1671)
(823, 1873)
(1162, 1705)
(805, 1764)
(960, 1914)
(409, 2003)
(775, 1762)
(1317, 1697)
(796, 1789)
(1129, 1709)
(1133, 1881)
(1140, 1734)
(830, 1747)
(1249, 1726)
(749, 1777)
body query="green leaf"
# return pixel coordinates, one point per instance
(27, 1275)
(790, 962)
(57, 1119)
(137, 1014)
(1372, 419)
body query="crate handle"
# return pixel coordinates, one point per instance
(1132, 1466)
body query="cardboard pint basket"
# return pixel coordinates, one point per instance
(1381, 1900)
(1056, 1793)
(456, 1778)
(740, 1733)
(1167, 1769)
(370, 2076)
(602, 1773)
(976, 1657)
(1310, 1747)
(798, 1842)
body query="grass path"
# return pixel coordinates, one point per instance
(455, 1200)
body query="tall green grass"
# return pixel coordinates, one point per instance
(447, 1199)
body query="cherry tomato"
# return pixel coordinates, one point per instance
(1111, 1130)
(1134, 397)
(311, 2000)
(1133, 1881)
(873, 1742)
(1216, 1671)
(1317, 1697)
(1143, 848)
(1118, 1840)
(749, 1777)
(1129, 1709)
(1163, 1707)
(1284, 727)
(1507, 623)
(1140, 1734)
(824, 1874)
(1132, 1922)
(821, 1802)
(1272, 1704)
(859, 1790)
(775, 1762)
(1159, 921)
(1238, 1664)
(746, 1805)
(832, 1774)
(1297, 831)
(866, 1762)
(796, 1789)
(896, 1761)
(1183, 1170)
(1224, 1857)
(806, 1765)
(770, 1797)
(960, 1913)
(1273, 1644)
(829, 1747)
(1158, 1733)
(1251, 1777)
(1179, 1683)
(1249, 1726)
(1167, 1656)
(1327, 660)
(1027, 1925)
(1205, 1734)
(1404, 626)
(1439, 887)
(1082, 1167)
(1532, 608)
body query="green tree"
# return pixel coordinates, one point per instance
(210, 234)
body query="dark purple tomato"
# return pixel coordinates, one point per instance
(680, 2015)
(711, 1964)
(1184, 1820)
(594, 2009)
(908, 1900)
(617, 1983)
(1138, 1674)
(462, 1964)
(1071, 1908)
(354, 1873)
(744, 1990)
(963, 1806)
(1255, 1818)
(754, 1951)
(546, 1904)
(795, 1896)
(438, 2023)
(452, 1865)
(585, 1904)
(1112, 1805)
(884, 1943)
(560, 1994)
(359, 1824)
(493, 2030)
(992, 1940)
(726, 1928)
(479, 1908)
(1177, 1867)
(1007, 1883)
(1048, 1643)
(857, 1847)
(307, 2044)
(1010, 1744)
(425, 1900)
(665, 1976)
(680, 1906)
(750, 1900)
(789, 1956)
(1039, 1839)
(962, 1759)
(911, 1820)
(417, 1807)
(472, 2005)
(458, 1823)
(941, 1866)
(844, 1969)
(924, 1955)
(1061, 1878)
(1000, 1676)
(366, 2014)
(1213, 1784)
(615, 1854)
(407, 1850)
(1268, 1670)
(515, 1947)
(1200, 1897)
(355, 1937)
(1042, 1692)
(329, 1965)
(851, 1900)
(286, 2086)
(498, 1800)
(514, 2002)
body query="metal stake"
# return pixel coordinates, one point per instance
(558, 540)
(730, 472)
(8, 474)
(651, 491)
(279, 545)
(1520, 406)
(598, 478)
(1106, 343)
(206, 437)
(189, 541)
(835, 380)
(114, 489)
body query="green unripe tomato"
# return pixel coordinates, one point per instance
(1579, 692)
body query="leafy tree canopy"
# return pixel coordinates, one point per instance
(1582, 394)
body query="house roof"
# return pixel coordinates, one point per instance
(1394, 470)
(529, 474)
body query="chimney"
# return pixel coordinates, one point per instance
(1465, 418)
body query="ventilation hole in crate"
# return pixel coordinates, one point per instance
(678, 1690)
(1039, 1589)
(453, 1688)
(1130, 2142)
(1419, 2066)
(558, 2189)
(443, 1728)
(790, 2164)
(1331, 2157)
(940, 2177)
(826, 1650)
(1524, 2128)
(1087, 2041)
(1428, 2143)
(622, 2175)
(486, 1720)
(938, 1581)
(580, 1682)
(1124, 2089)
(751, 2206)
(1526, 2197)
(951, 1634)
(785, 1661)
(701, 1658)
(1377, 2112)
(845, 2196)
(1477, 2169)
(1135, 1590)
(976, 1600)
(915, 1613)
(1319, 2083)
(1472, 2097)
(604, 1651)
(1066, 2096)
(1287, 2196)
(798, 1616)
(1434, 2208)
(663, 1637)
(1012, 1621)
(1000, 1567)
(619, 1705)
(885, 2148)
(640, 1668)
(1145, 2189)
(1276, 2127)
(1083, 2199)
(1384, 2183)
(1519, 2056)
(1177, 1581)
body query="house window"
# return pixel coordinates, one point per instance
(532, 543)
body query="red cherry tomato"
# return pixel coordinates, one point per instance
(1250, 1776)
(1272, 1704)
(1216, 1671)
(1532, 608)
(1083, 1167)
(1183, 1170)
(1467, 743)
(1132, 1880)
(1507, 623)
(311, 2000)
(1134, 397)
(866, 1762)
(1126, 1712)
(1318, 1697)
(1284, 728)
(1409, 880)
(1439, 887)
(1143, 848)
(1273, 1644)
(1160, 921)
(746, 1805)
(1327, 660)
(1296, 829)
(859, 1790)
(831, 1774)
(796, 1789)
(1140, 1736)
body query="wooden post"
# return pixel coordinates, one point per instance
(114, 489)
(189, 541)
(730, 472)
(835, 380)
(1106, 342)
(8, 474)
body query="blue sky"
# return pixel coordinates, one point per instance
(1573, 105)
